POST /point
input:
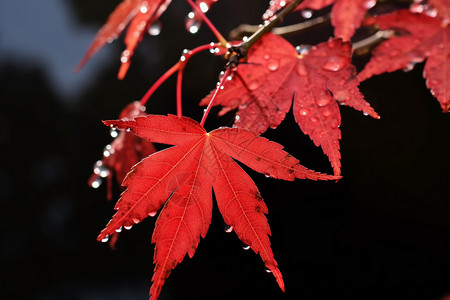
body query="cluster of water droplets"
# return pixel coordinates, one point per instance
(420, 6)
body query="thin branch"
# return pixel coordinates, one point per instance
(218, 88)
(245, 29)
(242, 49)
(363, 45)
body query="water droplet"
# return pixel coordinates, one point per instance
(128, 227)
(267, 176)
(105, 239)
(432, 12)
(155, 29)
(192, 24)
(369, 4)
(203, 7)
(282, 3)
(303, 49)
(237, 118)
(143, 9)
(334, 123)
(323, 101)
(314, 119)
(152, 213)
(326, 112)
(266, 56)
(365, 114)
(227, 228)
(125, 56)
(303, 112)
(253, 85)
(128, 129)
(307, 13)
(409, 67)
(221, 75)
(301, 69)
(113, 132)
(273, 65)
(96, 183)
(335, 63)
(435, 82)
(268, 270)
(103, 171)
(245, 246)
(119, 229)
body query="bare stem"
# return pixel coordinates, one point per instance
(242, 49)
(218, 88)
(246, 29)
(177, 67)
(362, 45)
(179, 90)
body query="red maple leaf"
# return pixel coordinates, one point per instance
(346, 15)
(422, 38)
(181, 179)
(275, 75)
(141, 13)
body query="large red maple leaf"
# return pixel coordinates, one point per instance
(181, 179)
(141, 13)
(346, 15)
(422, 38)
(275, 75)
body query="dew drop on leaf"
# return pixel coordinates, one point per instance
(128, 227)
(435, 82)
(302, 49)
(119, 229)
(335, 63)
(326, 112)
(409, 67)
(314, 119)
(135, 220)
(245, 246)
(303, 112)
(369, 4)
(300, 69)
(152, 213)
(105, 239)
(227, 228)
(253, 85)
(416, 8)
(322, 101)
(155, 29)
(273, 65)
(268, 270)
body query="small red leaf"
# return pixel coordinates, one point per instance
(423, 38)
(124, 152)
(141, 13)
(263, 87)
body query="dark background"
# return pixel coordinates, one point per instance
(381, 232)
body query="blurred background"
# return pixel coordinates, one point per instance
(380, 232)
